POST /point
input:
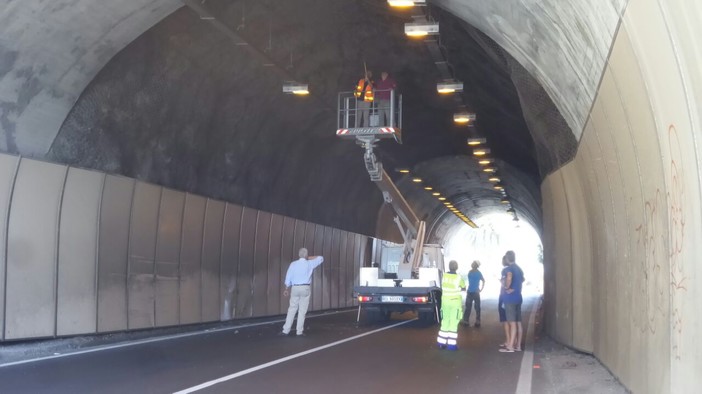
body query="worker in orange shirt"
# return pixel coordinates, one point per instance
(364, 99)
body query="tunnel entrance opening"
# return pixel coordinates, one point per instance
(497, 233)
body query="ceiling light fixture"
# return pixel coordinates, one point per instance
(450, 86)
(481, 151)
(417, 180)
(476, 141)
(406, 3)
(300, 89)
(463, 117)
(421, 29)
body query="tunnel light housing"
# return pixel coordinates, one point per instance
(504, 200)
(498, 187)
(428, 188)
(476, 141)
(485, 161)
(406, 3)
(494, 179)
(296, 88)
(421, 29)
(490, 170)
(417, 180)
(447, 87)
(442, 198)
(463, 117)
(436, 194)
(481, 151)
(403, 170)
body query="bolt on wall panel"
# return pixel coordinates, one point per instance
(230, 259)
(327, 268)
(244, 280)
(211, 255)
(8, 169)
(170, 227)
(334, 268)
(274, 284)
(318, 278)
(288, 254)
(190, 259)
(76, 311)
(142, 255)
(113, 242)
(260, 266)
(31, 250)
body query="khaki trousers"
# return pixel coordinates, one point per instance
(299, 302)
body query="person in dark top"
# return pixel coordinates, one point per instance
(383, 87)
(513, 303)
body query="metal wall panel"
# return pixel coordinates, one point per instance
(326, 268)
(142, 255)
(8, 169)
(170, 225)
(260, 266)
(287, 255)
(31, 250)
(274, 266)
(230, 259)
(211, 256)
(113, 245)
(334, 268)
(341, 268)
(318, 278)
(190, 258)
(76, 311)
(244, 291)
(309, 244)
(299, 238)
(347, 273)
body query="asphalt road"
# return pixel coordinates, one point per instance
(336, 356)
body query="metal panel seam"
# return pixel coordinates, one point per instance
(57, 245)
(97, 250)
(153, 278)
(180, 253)
(6, 241)
(253, 263)
(129, 244)
(202, 254)
(572, 261)
(268, 261)
(221, 257)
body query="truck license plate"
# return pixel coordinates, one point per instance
(392, 298)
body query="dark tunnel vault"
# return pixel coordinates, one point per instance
(184, 107)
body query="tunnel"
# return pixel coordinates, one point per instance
(154, 174)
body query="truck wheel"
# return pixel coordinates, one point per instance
(427, 317)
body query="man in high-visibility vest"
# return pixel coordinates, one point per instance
(451, 307)
(364, 99)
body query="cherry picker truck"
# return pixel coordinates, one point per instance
(408, 276)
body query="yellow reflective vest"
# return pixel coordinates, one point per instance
(451, 285)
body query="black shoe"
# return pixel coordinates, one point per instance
(477, 324)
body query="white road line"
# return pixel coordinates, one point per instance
(159, 339)
(525, 371)
(282, 360)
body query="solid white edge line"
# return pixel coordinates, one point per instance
(284, 359)
(159, 339)
(526, 370)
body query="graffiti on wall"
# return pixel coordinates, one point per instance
(676, 224)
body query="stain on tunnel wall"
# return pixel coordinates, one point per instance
(87, 252)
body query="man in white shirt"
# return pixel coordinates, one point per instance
(297, 285)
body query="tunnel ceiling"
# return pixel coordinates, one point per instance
(195, 103)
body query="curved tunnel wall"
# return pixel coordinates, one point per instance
(621, 222)
(88, 253)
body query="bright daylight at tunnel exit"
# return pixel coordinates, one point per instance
(382, 196)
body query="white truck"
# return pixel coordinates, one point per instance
(408, 276)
